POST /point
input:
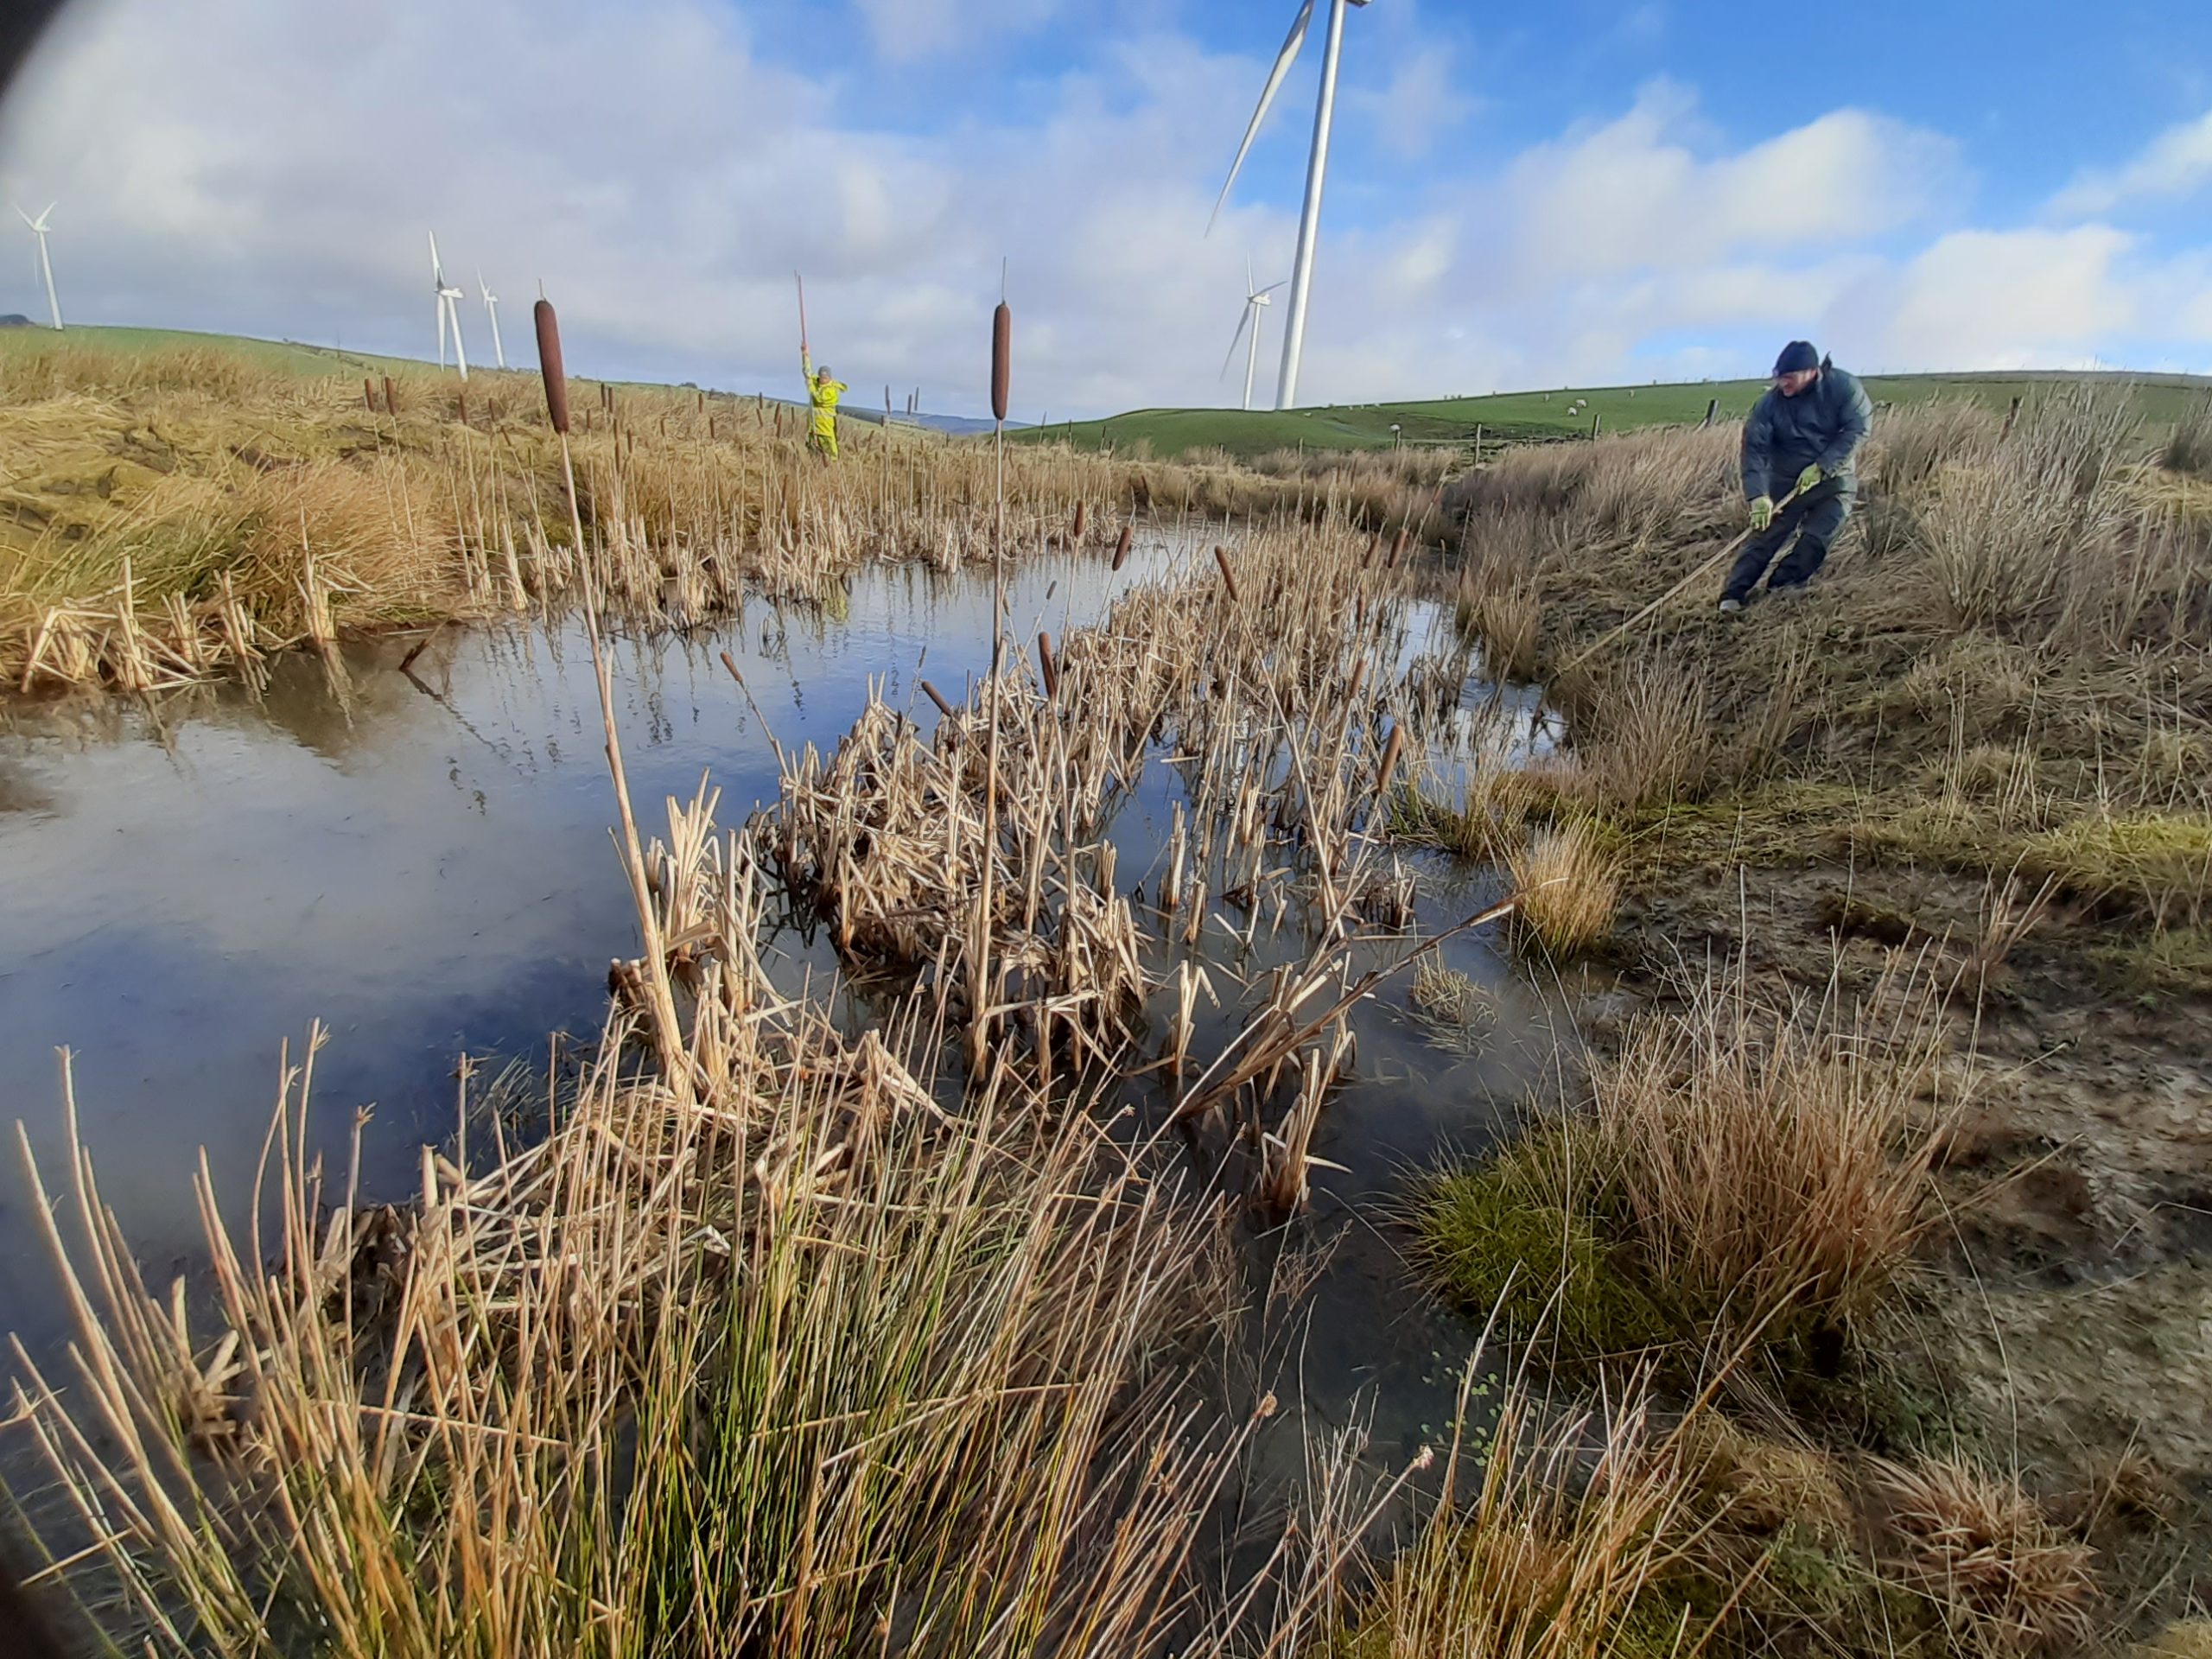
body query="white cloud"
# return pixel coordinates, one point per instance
(1998, 300)
(270, 167)
(905, 30)
(1425, 101)
(1637, 193)
(2177, 163)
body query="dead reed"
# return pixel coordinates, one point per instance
(2001, 1578)
(1568, 882)
(689, 501)
(1770, 1162)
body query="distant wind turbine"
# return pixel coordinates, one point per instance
(492, 310)
(1254, 300)
(1309, 223)
(450, 299)
(45, 262)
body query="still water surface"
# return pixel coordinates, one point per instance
(421, 861)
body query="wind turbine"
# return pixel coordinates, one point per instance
(450, 299)
(492, 310)
(45, 263)
(1254, 298)
(1309, 223)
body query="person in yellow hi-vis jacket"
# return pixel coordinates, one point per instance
(824, 392)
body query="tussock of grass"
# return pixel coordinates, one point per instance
(1562, 1552)
(2177, 962)
(1751, 1179)
(2188, 1638)
(2160, 861)
(1771, 1165)
(1567, 880)
(2189, 447)
(2003, 1579)
(1648, 739)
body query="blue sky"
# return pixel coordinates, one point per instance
(1573, 193)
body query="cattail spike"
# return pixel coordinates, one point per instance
(1390, 753)
(1001, 360)
(548, 364)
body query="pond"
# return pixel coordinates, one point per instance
(418, 856)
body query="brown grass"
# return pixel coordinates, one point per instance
(1560, 1551)
(1568, 883)
(199, 467)
(2003, 1579)
(1771, 1163)
(2039, 596)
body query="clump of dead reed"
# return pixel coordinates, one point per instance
(1770, 1162)
(1567, 883)
(219, 481)
(2001, 1578)
(771, 1351)
(1563, 1550)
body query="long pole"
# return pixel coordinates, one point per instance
(1251, 351)
(1309, 224)
(46, 269)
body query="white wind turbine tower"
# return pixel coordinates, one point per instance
(1254, 300)
(450, 299)
(1309, 223)
(45, 263)
(492, 310)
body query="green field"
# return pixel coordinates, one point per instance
(1245, 434)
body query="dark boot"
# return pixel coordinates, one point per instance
(1758, 553)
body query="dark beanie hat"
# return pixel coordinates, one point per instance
(1796, 357)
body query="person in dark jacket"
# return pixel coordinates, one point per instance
(1800, 444)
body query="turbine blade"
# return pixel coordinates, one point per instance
(1231, 357)
(1271, 287)
(1284, 58)
(437, 270)
(25, 217)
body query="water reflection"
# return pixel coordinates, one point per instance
(422, 859)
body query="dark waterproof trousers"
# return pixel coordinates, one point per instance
(1815, 518)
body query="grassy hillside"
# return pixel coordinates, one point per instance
(283, 356)
(2159, 399)
(271, 354)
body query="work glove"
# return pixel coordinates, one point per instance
(1761, 513)
(1809, 477)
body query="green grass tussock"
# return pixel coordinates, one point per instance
(1519, 1232)
(1756, 1176)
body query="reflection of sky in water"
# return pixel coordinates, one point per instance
(425, 865)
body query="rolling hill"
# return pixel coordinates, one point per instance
(1245, 434)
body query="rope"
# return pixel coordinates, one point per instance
(1607, 639)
